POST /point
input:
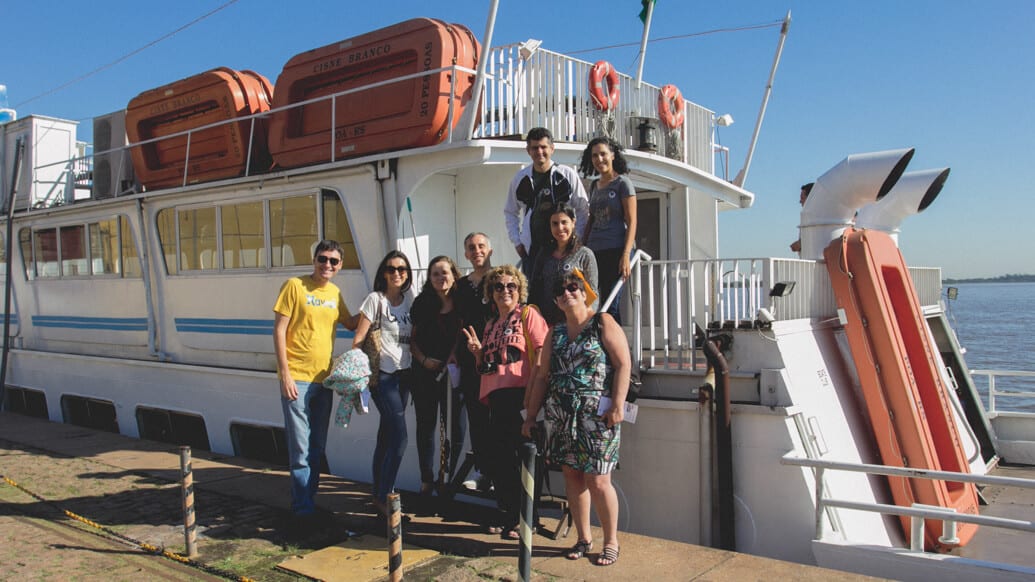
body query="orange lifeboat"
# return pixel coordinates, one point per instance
(218, 152)
(396, 115)
(908, 404)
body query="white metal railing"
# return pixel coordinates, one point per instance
(1015, 379)
(543, 89)
(548, 89)
(672, 298)
(949, 517)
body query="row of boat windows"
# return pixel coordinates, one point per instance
(262, 234)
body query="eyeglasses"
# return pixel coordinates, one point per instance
(324, 259)
(499, 287)
(570, 288)
(392, 269)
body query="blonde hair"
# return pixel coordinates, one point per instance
(509, 270)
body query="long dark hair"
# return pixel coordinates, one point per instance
(620, 165)
(428, 299)
(379, 278)
(569, 210)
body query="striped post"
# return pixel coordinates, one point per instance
(527, 499)
(395, 556)
(190, 532)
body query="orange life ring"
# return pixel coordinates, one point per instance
(670, 106)
(604, 100)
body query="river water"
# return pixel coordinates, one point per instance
(995, 323)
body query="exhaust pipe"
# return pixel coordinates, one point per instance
(913, 193)
(858, 180)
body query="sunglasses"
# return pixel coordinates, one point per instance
(323, 259)
(570, 288)
(499, 287)
(401, 270)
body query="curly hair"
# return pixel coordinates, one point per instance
(506, 270)
(620, 164)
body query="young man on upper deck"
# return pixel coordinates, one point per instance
(532, 195)
(307, 313)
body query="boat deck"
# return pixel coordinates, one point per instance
(93, 472)
(1005, 545)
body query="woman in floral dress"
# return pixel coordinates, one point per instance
(584, 388)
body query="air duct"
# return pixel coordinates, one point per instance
(914, 192)
(858, 180)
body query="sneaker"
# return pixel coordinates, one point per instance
(483, 484)
(470, 485)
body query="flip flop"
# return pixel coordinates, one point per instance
(608, 556)
(579, 550)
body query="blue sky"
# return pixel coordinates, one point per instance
(953, 79)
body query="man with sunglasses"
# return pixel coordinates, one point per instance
(306, 315)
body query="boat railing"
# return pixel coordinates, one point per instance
(918, 513)
(529, 87)
(522, 90)
(671, 298)
(1015, 389)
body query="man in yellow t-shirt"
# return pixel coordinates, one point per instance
(306, 315)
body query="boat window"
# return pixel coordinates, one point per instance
(103, 252)
(130, 260)
(293, 230)
(244, 242)
(336, 227)
(25, 240)
(73, 251)
(46, 253)
(198, 239)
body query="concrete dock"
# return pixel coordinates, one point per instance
(130, 487)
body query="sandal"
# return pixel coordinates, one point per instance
(494, 529)
(608, 557)
(512, 534)
(579, 549)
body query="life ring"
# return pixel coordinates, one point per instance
(604, 100)
(670, 106)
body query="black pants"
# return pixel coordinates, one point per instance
(429, 400)
(477, 416)
(607, 276)
(507, 447)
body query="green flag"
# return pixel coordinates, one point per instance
(643, 13)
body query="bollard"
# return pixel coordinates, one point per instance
(527, 500)
(190, 533)
(395, 557)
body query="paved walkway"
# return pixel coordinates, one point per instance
(130, 486)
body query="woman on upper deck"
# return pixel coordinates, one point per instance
(388, 308)
(611, 233)
(563, 253)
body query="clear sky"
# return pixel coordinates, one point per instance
(954, 79)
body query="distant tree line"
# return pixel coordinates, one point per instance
(1012, 278)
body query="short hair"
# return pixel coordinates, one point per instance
(506, 270)
(538, 133)
(379, 278)
(328, 245)
(568, 277)
(488, 241)
(807, 188)
(621, 165)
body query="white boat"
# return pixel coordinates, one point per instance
(148, 312)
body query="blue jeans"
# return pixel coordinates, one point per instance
(390, 398)
(305, 425)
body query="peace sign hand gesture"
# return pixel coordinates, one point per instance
(473, 343)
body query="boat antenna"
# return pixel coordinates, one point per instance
(742, 174)
(646, 17)
(470, 114)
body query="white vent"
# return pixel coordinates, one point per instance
(112, 166)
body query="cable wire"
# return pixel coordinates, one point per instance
(679, 36)
(89, 74)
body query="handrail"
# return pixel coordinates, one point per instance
(918, 513)
(993, 392)
(618, 284)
